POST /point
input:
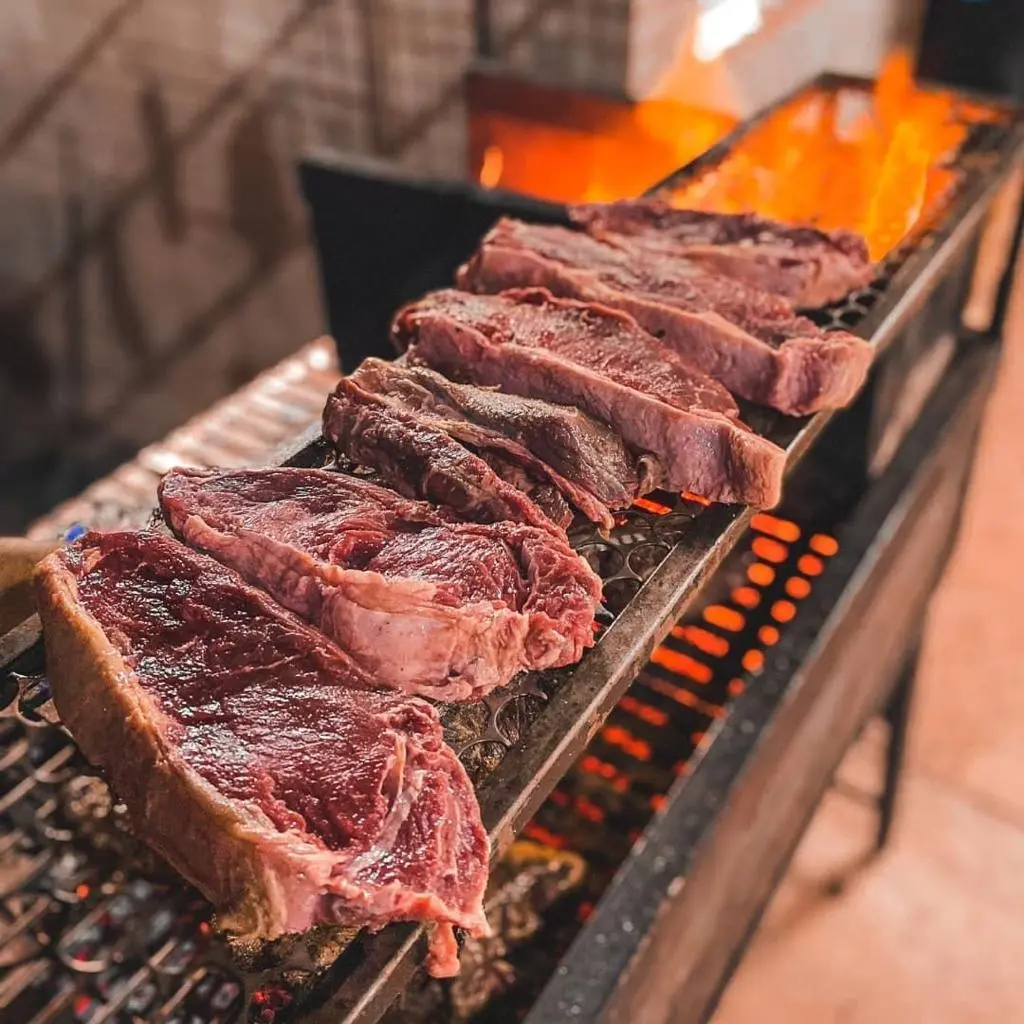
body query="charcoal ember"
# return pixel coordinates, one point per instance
(524, 885)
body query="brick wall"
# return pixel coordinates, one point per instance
(154, 250)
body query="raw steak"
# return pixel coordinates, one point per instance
(582, 354)
(808, 267)
(249, 752)
(554, 444)
(420, 460)
(423, 602)
(749, 340)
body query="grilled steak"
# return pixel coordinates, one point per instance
(600, 360)
(423, 602)
(249, 752)
(420, 460)
(749, 340)
(808, 267)
(541, 442)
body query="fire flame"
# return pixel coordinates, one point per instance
(633, 148)
(876, 163)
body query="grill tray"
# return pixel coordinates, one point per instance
(163, 966)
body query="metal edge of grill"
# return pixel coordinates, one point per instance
(596, 970)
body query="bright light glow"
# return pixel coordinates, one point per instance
(493, 165)
(721, 27)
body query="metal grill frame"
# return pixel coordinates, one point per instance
(613, 972)
(365, 979)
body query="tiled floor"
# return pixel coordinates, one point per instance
(933, 931)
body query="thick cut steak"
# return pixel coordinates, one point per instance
(810, 268)
(585, 461)
(749, 340)
(423, 602)
(420, 460)
(249, 752)
(600, 360)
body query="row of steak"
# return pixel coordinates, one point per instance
(254, 687)
(580, 369)
(259, 711)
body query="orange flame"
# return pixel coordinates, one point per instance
(491, 168)
(620, 153)
(872, 163)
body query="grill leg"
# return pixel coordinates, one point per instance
(897, 715)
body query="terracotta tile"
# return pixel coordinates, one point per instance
(933, 931)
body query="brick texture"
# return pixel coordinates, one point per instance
(155, 252)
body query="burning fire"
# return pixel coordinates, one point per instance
(629, 149)
(873, 162)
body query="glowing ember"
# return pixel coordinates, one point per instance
(753, 661)
(543, 835)
(626, 741)
(646, 713)
(652, 506)
(696, 498)
(810, 566)
(822, 544)
(681, 665)
(783, 611)
(723, 617)
(769, 550)
(780, 529)
(875, 163)
(702, 639)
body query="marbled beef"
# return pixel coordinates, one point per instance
(540, 445)
(600, 360)
(753, 342)
(419, 459)
(250, 752)
(804, 265)
(422, 601)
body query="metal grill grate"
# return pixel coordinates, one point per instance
(72, 880)
(598, 810)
